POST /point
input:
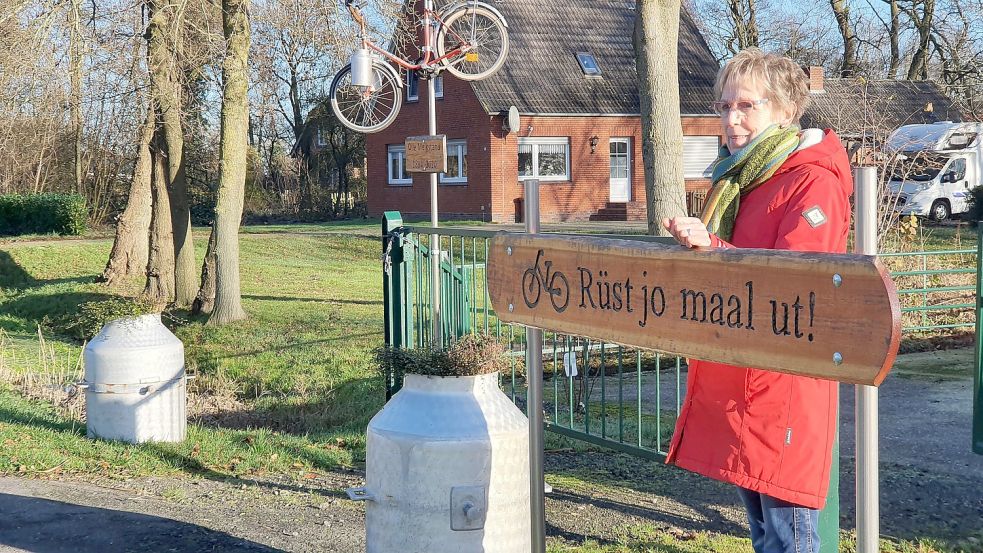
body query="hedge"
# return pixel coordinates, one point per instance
(42, 214)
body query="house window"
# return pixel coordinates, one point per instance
(412, 86)
(322, 140)
(588, 64)
(397, 166)
(546, 159)
(457, 163)
(438, 86)
(699, 153)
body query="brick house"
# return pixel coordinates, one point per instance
(571, 75)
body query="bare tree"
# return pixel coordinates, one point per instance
(130, 251)
(894, 33)
(232, 179)
(205, 300)
(921, 14)
(76, 61)
(159, 288)
(958, 46)
(656, 41)
(743, 15)
(163, 45)
(841, 11)
(731, 26)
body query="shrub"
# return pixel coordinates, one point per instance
(471, 355)
(975, 200)
(93, 315)
(64, 214)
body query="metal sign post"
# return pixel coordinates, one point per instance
(438, 339)
(534, 395)
(865, 243)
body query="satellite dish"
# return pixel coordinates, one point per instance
(511, 123)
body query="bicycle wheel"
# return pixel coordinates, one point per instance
(532, 288)
(560, 295)
(366, 109)
(480, 40)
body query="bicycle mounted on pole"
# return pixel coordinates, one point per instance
(471, 42)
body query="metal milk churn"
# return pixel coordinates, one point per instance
(447, 470)
(135, 384)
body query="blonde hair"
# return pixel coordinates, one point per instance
(784, 82)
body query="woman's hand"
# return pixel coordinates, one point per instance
(688, 231)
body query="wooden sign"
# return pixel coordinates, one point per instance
(833, 316)
(426, 154)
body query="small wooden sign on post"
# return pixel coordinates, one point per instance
(426, 154)
(833, 316)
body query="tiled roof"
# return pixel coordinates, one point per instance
(859, 107)
(542, 75)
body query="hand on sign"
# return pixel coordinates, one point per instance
(688, 231)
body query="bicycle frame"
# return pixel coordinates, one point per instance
(428, 61)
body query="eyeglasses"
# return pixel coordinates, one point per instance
(743, 106)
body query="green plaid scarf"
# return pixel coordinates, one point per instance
(734, 176)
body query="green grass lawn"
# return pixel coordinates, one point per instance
(299, 369)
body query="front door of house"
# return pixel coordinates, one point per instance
(620, 172)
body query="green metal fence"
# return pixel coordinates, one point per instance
(624, 398)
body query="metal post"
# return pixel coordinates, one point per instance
(829, 517)
(438, 339)
(392, 292)
(868, 498)
(978, 375)
(534, 395)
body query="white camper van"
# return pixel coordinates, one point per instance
(935, 167)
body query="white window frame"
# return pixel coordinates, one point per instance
(396, 153)
(461, 147)
(689, 142)
(536, 142)
(412, 79)
(438, 86)
(319, 139)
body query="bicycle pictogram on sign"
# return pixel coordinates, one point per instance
(534, 281)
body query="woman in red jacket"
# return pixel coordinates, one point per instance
(775, 187)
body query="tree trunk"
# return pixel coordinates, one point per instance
(163, 45)
(745, 23)
(131, 247)
(895, 32)
(75, 61)
(232, 177)
(205, 301)
(160, 266)
(295, 104)
(842, 13)
(918, 70)
(656, 45)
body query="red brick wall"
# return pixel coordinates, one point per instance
(588, 189)
(460, 118)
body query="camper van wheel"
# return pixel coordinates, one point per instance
(940, 210)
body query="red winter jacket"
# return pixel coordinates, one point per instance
(767, 431)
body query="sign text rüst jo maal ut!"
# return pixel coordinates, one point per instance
(826, 315)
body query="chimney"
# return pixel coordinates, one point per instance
(815, 74)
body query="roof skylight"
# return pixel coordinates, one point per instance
(588, 64)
